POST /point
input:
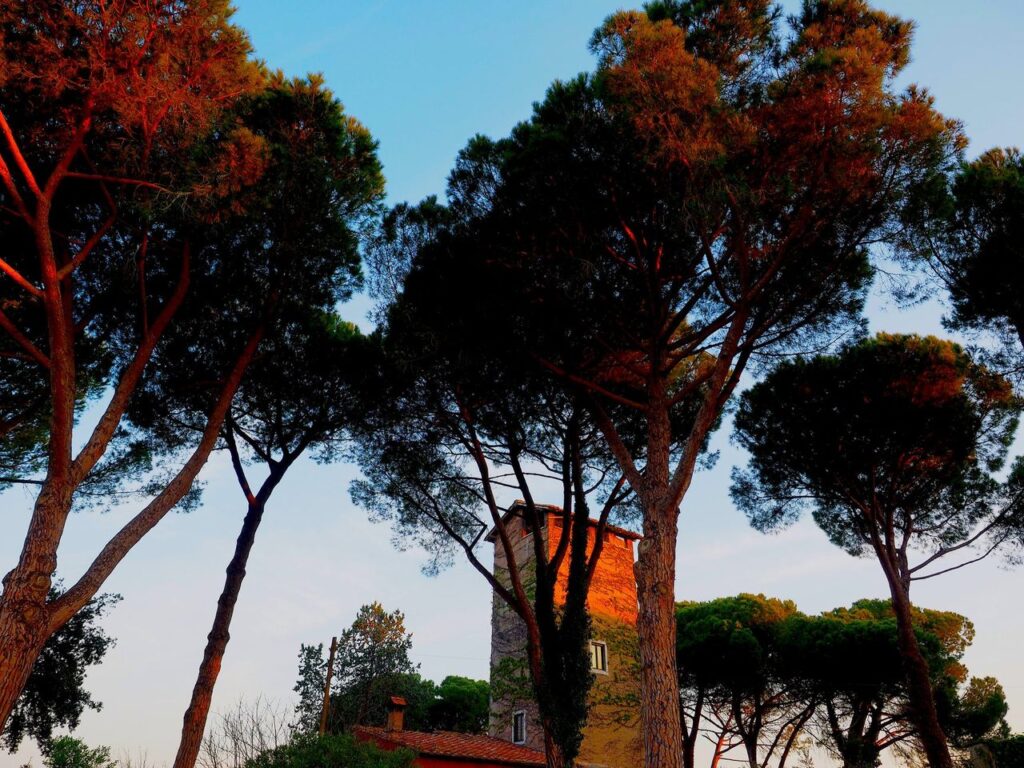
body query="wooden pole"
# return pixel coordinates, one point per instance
(325, 711)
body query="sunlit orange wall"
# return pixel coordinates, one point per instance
(613, 591)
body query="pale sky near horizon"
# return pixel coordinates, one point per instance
(424, 77)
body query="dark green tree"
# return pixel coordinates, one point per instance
(457, 704)
(55, 695)
(331, 751)
(968, 227)
(312, 676)
(371, 664)
(462, 704)
(372, 653)
(889, 444)
(655, 228)
(69, 752)
(420, 696)
(759, 677)
(975, 712)
(733, 690)
(850, 663)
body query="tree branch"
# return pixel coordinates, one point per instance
(19, 158)
(96, 446)
(17, 277)
(23, 341)
(61, 610)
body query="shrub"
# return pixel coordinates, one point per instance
(69, 752)
(330, 752)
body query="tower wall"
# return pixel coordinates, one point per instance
(612, 734)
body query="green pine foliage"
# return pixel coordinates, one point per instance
(770, 680)
(69, 752)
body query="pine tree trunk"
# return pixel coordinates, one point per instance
(26, 619)
(22, 635)
(689, 756)
(553, 754)
(919, 686)
(24, 613)
(656, 625)
(858, 749)
(194, 725)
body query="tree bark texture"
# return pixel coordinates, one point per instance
(656, 625)
(919, 686)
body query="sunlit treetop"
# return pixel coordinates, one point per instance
(895, 436)
(150, 72)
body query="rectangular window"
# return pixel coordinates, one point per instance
(598, 656)
(519, 727)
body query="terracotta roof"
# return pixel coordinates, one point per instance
(519, 507)
(456, 745)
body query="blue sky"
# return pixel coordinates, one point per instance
(424, 77)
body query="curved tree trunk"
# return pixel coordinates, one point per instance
(22, 632)
(194, 724)
(720, 746)
(919, 686)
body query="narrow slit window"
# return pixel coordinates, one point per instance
(598, 656)
(519, 727)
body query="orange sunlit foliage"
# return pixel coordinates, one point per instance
(153, 69)
(106, 107)
(831, 103)
(948, 372)
(669, 93)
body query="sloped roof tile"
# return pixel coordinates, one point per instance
(457, 745)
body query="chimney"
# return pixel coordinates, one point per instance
(396, 713)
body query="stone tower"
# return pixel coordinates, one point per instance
(612, 734)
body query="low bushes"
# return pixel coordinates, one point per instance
(330, 752)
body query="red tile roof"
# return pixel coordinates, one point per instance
(457, 745)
